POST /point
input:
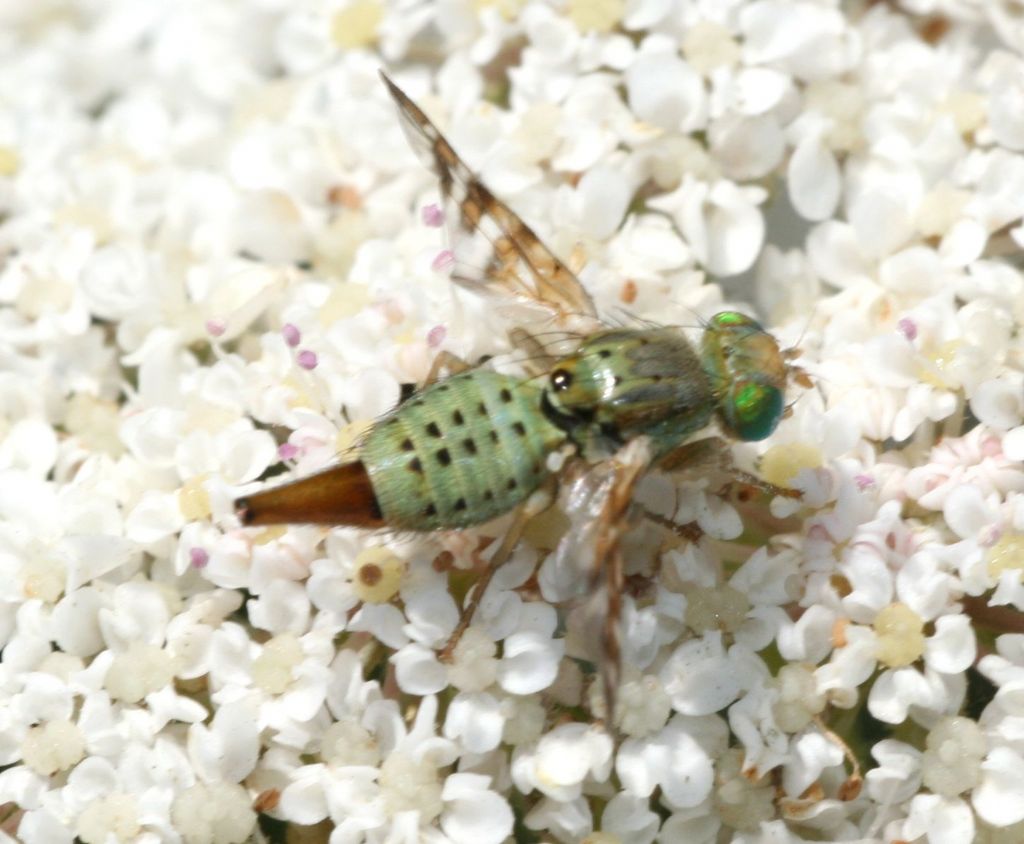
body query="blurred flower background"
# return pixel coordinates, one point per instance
(219, 260)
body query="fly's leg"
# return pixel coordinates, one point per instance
(690, 532)
(445, 360)
(713, 453)
(710, 454)
(536, 503)
(540, 360)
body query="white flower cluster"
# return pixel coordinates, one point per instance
(218, 256)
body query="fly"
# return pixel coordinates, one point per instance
(476, 444)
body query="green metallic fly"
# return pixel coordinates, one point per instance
(476, 445)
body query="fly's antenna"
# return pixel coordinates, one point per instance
(793, 352)
(797, 373)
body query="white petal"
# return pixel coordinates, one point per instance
(476, 720)
(700, 678)
(941, 820)
(915, 271)
(963, 243)
(664, 90)
(836, 255)
(43, 698)
(881, 220)
(567, 755)
(138, 612)
(1006, 111)
(967, 512)
(723, 226)
(116, 280)
(40, 827)
(31, 445)
(718, 518)
(690, 773)
(474, 814)
(155, 517)
(922, 587)
(897, 776)
(804, 38)
(432, 613)
(283, 606)
(530, 663)
(75, 620)
(640, 765)
(894, 692)
(248, 455)
(382, 621)
(812, 754)
(999, 800)
(153, 435)
(94, 555)
(303, 800)
(630, 818)
(603, 195)
(953, 647)
(747, 147)
(999, 403)
(92, 778)
(807, 638)
(417, 670)
(813, 180)
(1013, 444)
(759, 89)
(568, 820)
(227, 749)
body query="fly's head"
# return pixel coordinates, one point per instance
(749, 375)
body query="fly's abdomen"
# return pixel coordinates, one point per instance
(463, 451)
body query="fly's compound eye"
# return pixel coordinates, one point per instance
(752, 410)
(561, 380)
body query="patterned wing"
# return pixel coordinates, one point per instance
(598, 506)
(487, 233)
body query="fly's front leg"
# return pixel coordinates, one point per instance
(536, 503)
(690, 531)
(713, 453)
(538, 358)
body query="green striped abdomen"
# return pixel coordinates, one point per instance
(463, 451)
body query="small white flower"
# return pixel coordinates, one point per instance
(721, 222)
(670, 759)
(473, 812)
(664, 90)
(562, 760)
(700, 677)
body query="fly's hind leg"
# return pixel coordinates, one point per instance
(536, 503)
(445, 360)
(444, 365)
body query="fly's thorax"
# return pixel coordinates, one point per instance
(748, 374)
(461, 452)
(627, 382)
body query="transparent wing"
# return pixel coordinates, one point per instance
(598, 504)
(486, 233)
